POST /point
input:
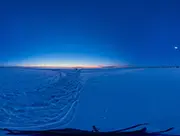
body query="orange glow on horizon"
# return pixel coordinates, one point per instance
(68, 66)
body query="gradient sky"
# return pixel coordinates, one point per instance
(89, 32)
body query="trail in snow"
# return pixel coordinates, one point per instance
(47, 106)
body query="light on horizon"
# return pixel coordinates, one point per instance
(67, 62)
(67, 66)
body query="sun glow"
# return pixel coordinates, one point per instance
(65, 62)
(61, 66)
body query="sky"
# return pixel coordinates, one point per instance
(89, 32)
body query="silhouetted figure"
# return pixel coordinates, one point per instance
(95, 129)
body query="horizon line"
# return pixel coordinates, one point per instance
(95, 67)
(52, 66)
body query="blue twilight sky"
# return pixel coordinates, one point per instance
(89, 32)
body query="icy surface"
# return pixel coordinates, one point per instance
(121, 98)
(38, 99)
(109, 99)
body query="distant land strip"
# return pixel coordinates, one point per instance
(106, 67)
(138, 67)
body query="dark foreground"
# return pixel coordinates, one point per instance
(95, 132)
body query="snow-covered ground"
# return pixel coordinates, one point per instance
(109, 99)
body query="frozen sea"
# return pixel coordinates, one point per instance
(108, 98)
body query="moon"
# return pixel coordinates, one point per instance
(175, 47)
